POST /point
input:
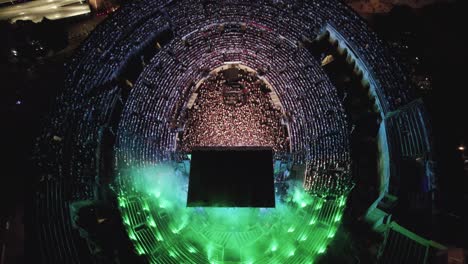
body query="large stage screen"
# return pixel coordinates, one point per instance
(231, 177)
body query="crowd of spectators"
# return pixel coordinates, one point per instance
(264, 35)
(250, 120)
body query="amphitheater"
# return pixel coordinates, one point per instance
(137, 99)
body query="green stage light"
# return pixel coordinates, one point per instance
(153, 204)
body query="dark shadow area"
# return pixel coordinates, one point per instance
(432, 43)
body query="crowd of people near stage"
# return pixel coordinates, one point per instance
(251, 120)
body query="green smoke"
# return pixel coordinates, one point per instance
(153, 202)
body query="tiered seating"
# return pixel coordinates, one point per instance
(265, 35)
(317, 142)
(400, 248)
(408, 127)
(175, 234)
(409, 147)
(53, 224)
